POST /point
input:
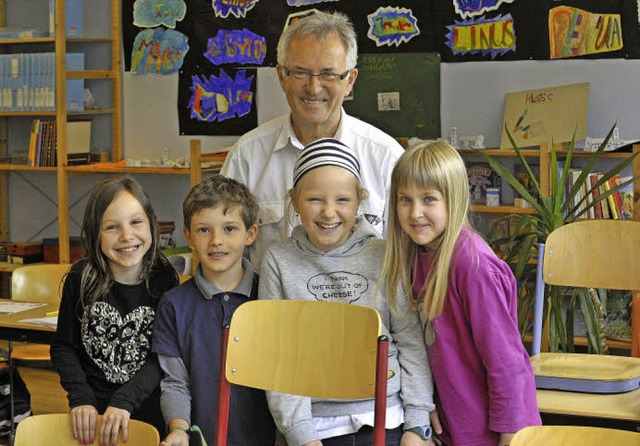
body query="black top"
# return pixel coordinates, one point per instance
(103, 352)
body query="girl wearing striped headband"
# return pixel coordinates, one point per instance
(336, 256)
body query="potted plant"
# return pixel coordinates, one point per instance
(554, 208)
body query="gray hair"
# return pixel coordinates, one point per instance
(322, 25)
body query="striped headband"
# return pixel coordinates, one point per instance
(326, 152)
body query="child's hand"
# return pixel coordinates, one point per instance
(176, 438)
(113, 420)
(436, 426)
(83, 423)
(505, 438)
(412, 439)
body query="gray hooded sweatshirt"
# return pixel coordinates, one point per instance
(296, 269)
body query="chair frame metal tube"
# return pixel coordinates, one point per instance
(380, 414)
(222, 426)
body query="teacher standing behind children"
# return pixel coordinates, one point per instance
(316, 68)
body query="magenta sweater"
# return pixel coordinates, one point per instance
(482, 372)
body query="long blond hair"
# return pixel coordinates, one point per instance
(433, 165)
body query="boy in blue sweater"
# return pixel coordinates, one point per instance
(219, 223)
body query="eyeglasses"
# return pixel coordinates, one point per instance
(326, 77)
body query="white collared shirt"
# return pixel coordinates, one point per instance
(264, 159)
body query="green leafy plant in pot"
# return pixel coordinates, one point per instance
(554, 208)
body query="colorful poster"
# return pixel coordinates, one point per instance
(307, 2)
(217, 101)
(470, 8)
(220, 98)
(536, 116)
(151, 13)
(158, 51)
(576, 32)
(226, 8)
(392, 26)
(240, 46)
(485, 36)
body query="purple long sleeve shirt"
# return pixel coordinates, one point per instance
(482, 372)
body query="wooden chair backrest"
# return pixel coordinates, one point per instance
(55, 430)
(594, 254)
(597, 254)
(310, 348)
(573, 436)
(38, 283)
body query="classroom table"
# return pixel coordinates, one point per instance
(11, 329)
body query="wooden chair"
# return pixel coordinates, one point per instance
(573, 436)
(39, 283)
(55, 430)
(310, 348)
(594, 254)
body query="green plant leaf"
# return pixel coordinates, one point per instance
(531, 176)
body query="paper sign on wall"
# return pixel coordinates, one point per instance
(535, 116)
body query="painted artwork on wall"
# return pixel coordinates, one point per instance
(576, 32)
(533, 116)
(158, 48)
(215, 44)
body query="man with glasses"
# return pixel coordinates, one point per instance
(316, 68)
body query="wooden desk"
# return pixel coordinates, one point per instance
(618, 406)
(13, 330)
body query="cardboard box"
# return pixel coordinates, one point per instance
(78, 137)
(24, 249)
(51, 250)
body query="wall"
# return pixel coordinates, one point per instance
(473, 93)
(472, 99)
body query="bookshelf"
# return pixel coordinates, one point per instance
(543, 157)
(102, 74)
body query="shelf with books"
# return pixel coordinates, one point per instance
(544, 158)
(85, 43)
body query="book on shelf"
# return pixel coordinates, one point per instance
(3, 252)
(595, 194)
(523, 178)
(626, 193)
(606, 214)
(73, 18)
(25, 259)
(617, 196)
(611, 202)
(481, 177)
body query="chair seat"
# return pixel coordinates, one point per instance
(30, 352)
(573, 435)
(586, 372)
